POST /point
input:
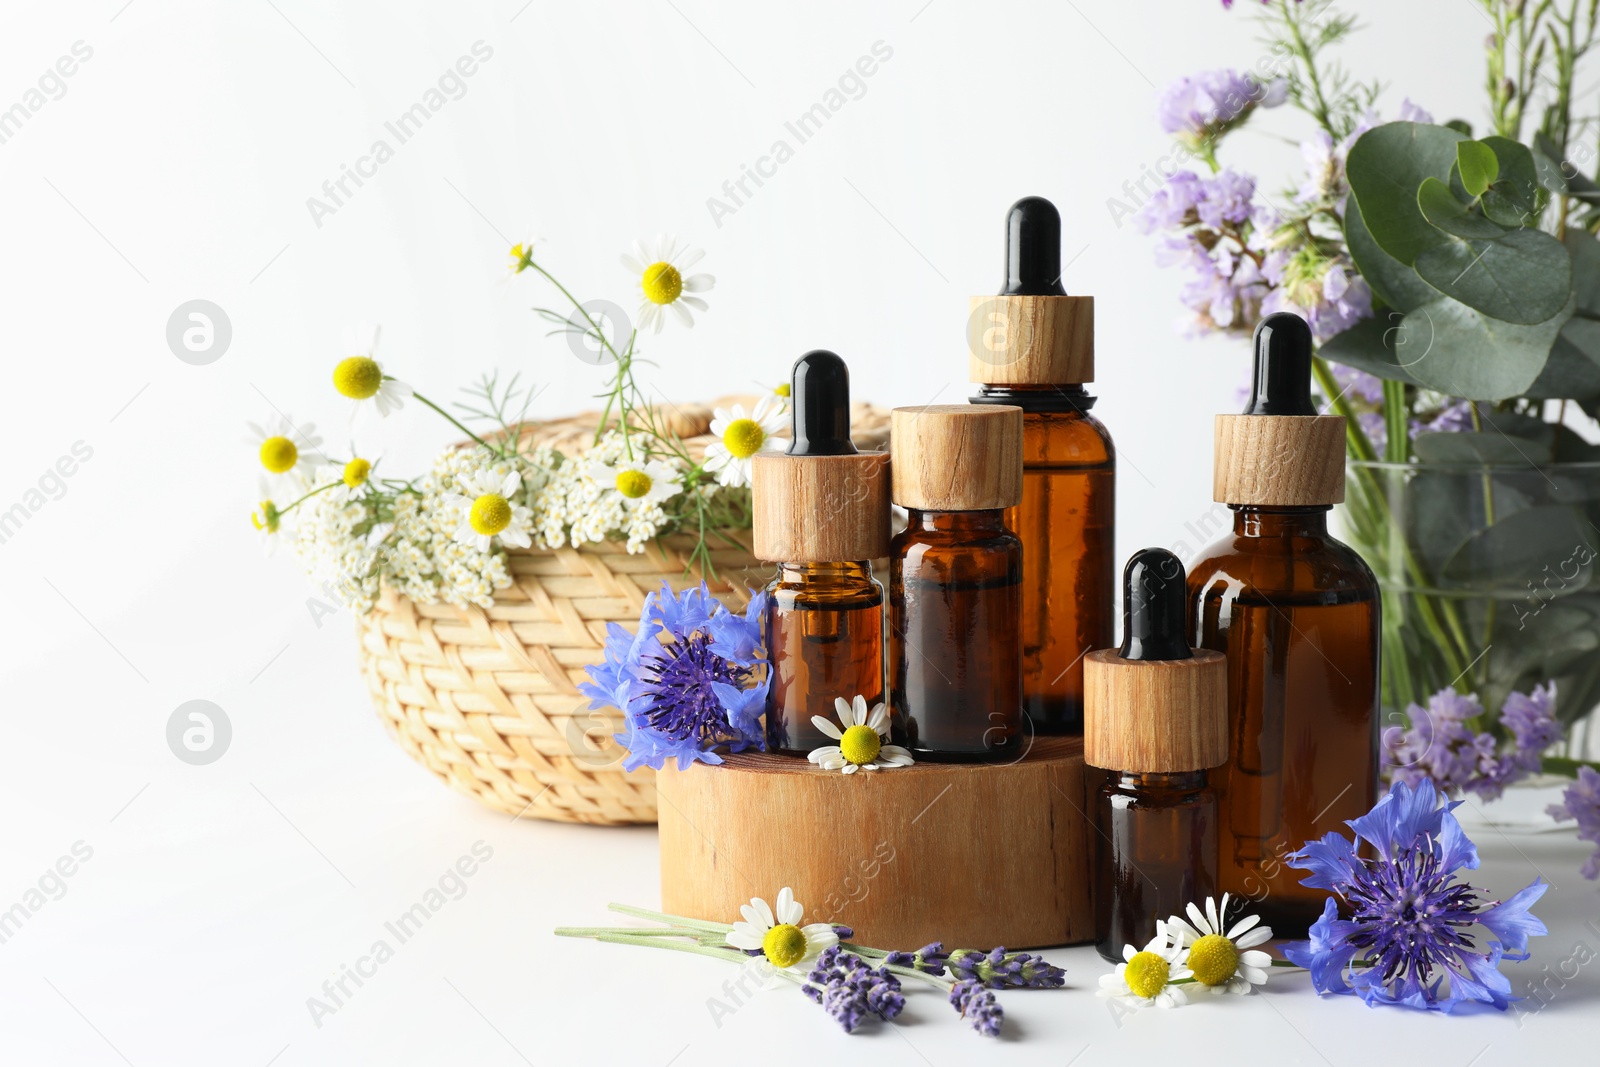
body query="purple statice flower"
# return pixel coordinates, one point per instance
(849, 990)
(1409, 939)
(1442, 744)
(1229, 200)
(929, 959)
(1455, 417)
(1410, 112)
(978, 1006)
(1330, 297)
(1201, 107)
(1581, 801)
(688, 681)
(999, 969)
(1173, 205)
(1207, 227)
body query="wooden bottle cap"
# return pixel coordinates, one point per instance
(820, 509)
(1031, 340)
(1279, 460)
(1155, 715)
(956, 457)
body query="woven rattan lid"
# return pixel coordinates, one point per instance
(1033, 333)
(956, 457)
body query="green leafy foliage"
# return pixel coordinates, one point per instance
(1386, 167)
(1478, 164)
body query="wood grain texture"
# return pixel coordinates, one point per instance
(974, 856)
(1155, 715)
(820, 509)
(1279, 460)
(956, 457)
(1031, 340)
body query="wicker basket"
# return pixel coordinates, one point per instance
(487, 699)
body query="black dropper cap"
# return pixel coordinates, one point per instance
(819, 389)
(1154, 598)
(1283, 367)
(1033, 249)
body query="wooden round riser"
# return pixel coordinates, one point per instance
(971, 855)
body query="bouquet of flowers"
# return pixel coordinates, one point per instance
(443, 535)
(1452, 281)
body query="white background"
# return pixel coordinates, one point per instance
(177, 165)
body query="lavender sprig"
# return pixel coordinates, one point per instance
(849, 990)
(929, 959)
(976, 1004)
(999, 969)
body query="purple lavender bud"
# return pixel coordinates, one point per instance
(999, 969)
(978, 1006)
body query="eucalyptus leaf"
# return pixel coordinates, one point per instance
(1386, 166)
(1470, 447)
(1585, 253)
(1515, 550)
(1462, 352)
(1573, 370)
(1390, 280)
(1442, 210)
(1518, 179)
(1479, 166)
(1524, 277)
(1370, 345)
(1547, 165)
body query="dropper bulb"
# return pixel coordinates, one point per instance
(819, 390)
(1282, 384)
(1154, 598)
(1033, 249)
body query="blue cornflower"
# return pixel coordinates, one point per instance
(1409, 939)
(688, 681)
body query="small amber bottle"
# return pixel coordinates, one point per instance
(1156, 717)
(1297, 614)
(1033, 346)
(821, 513)
(955, 583)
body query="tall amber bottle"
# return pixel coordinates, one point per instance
(1297, 614)
(821, 512)
(955, 583)
(1156, 716)
(1032, 346)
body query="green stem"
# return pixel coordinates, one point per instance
(1320, 109)
(1397, 446)
(1567, 766)
(320, 489)
(452, 420)
(673, 920)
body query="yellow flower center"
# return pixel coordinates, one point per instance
(521, 258)
(491, 513)
(744, 438)
(356, 471)
(633, 484)
(662, 283)
(358, 377)
(783, 390)
(278, 454)
(267, 518)
(860, 744)
(1146, 974)
(784, 945)
(1213, 959)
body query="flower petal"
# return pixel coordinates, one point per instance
(825, 727)
(788, 909)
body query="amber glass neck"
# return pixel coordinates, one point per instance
(1249, 521)
(1161, 779)
(858, 570)
(992, 520)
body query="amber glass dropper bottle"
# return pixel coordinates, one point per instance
(821, 513)
(1297, 614)
(1033, 346)
(1156, 716)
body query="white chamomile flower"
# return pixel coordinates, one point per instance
(281, 444)
(861, 738)
(1146, 975)
(777, 933)
(1223, 962)
(269, 522)
(740, 436)
(360, 377)
(353, 478)
(659, 268)
(490, 512)
(640, 482)
(521, 256)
